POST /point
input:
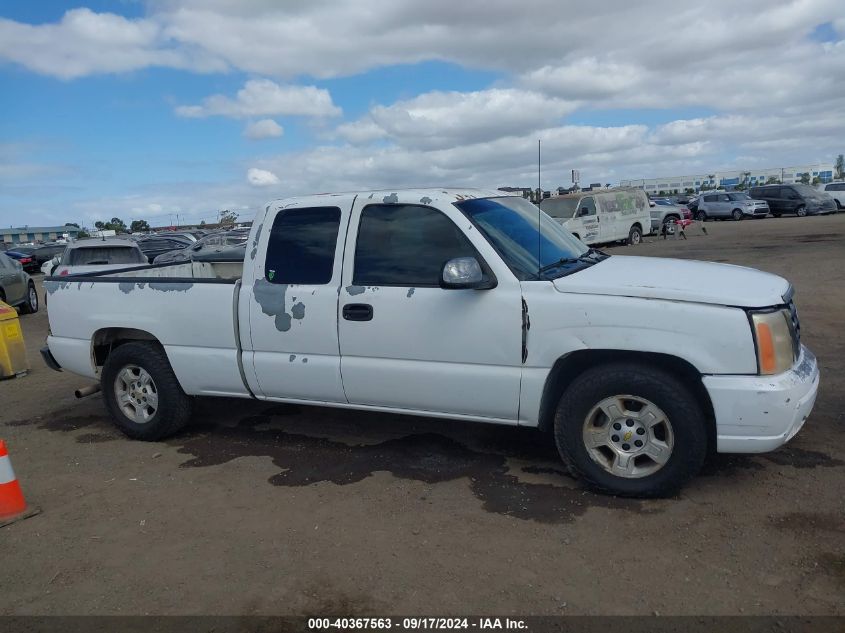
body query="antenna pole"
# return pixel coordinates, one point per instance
(539, 199)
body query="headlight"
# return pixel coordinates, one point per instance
(776, 341)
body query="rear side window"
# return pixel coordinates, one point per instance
(405, 245)
(302, 246)
(711, 198)
(98, 255)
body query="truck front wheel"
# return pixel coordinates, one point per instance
(631, 430)
(142, 393)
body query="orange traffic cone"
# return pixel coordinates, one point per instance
(12, 505)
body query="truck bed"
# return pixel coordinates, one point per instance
(190, 308)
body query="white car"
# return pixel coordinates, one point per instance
(97, 255)
(457, 304)
(835, 190)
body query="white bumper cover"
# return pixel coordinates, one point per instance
(756, 414)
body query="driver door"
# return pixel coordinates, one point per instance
(407, 343)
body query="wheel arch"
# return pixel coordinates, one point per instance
(570, 366)
(105, 340)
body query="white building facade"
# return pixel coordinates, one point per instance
(727, 179)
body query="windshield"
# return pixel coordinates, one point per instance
(739, 196)
(104, 255)
(510, 225)
(560, 207)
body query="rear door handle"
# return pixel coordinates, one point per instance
(358, 312)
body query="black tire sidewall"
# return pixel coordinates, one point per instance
(676, 401)
(32, 309)
(169, 416)
(635, 231)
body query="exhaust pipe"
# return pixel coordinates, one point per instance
(87, 391)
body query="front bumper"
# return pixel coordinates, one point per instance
(756, 414)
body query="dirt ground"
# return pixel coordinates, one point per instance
(260, 509)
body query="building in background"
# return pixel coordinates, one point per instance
(730, 179)
(34, 234)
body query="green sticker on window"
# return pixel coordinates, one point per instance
(271, 274)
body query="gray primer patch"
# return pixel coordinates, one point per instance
(410, 292)
(52, 286)
(292, 358)
(304, 360)
(126, 287)
(370, 197)
(391, 199)
(170, 286)
(297, 310)
(425, 200)
(271, 298)
(254, 250)
(355, 290)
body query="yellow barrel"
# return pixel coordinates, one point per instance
(13, 360)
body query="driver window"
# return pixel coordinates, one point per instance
(589, 204)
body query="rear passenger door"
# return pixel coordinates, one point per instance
(296, 261)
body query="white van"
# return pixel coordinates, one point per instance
(602, 216)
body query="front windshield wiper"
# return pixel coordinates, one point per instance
(592, 256)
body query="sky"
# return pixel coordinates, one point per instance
(144, 109)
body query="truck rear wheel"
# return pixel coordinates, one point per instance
(631, 430)
(635, 235)
(142, 393)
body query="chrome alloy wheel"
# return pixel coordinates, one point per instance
(136, 394)
(628, 436)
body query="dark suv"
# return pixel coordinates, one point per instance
(798, 199)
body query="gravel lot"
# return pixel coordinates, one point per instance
(269, 509)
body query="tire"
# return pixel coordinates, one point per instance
(775, 215)
(736, 214)
(635, 235)
(801, 211)
(30, 305)
(701, 216)
(670, 218)
(838, 206)
(172, 408)
(685, 436)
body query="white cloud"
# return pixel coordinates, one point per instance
(85, 43)
(265, 128)
(261, 177)
(262, 97)
(446, 119)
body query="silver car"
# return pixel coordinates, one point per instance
(733, 204)
(16, 286)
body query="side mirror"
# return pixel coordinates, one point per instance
(463, 273)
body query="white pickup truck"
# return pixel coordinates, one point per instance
(459, 304)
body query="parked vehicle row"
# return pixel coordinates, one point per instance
(777, 200)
